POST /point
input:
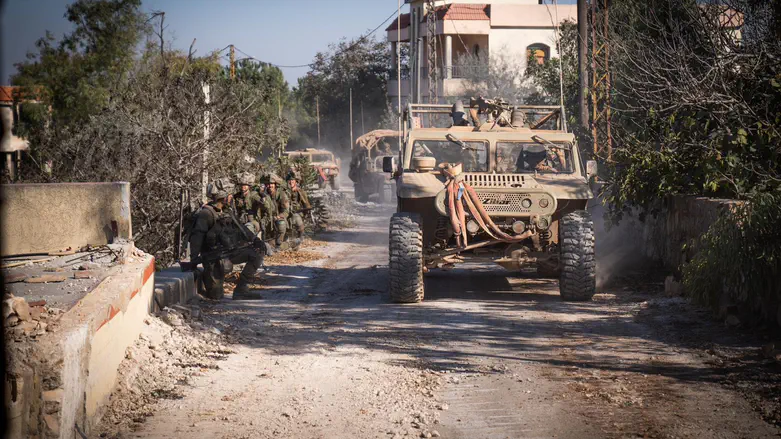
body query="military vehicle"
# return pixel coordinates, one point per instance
(324, 162)
(492, 186)
(366, 171)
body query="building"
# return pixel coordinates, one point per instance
(468, 34)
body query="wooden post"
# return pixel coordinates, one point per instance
(233, 63)
(583, 63)
(351, 117)
(317, 110)
(206, 132)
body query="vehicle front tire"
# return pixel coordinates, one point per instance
(335, 183)
(406, 258)
(577, 262)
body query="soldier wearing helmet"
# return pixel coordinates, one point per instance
(217, 243)
(299, 202)
(248, 203)
(281, 203)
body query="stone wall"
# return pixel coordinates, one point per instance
(40, 218)
(670, 236)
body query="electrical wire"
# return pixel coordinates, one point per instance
(352, 46)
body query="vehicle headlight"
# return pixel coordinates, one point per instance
(544, 202)
(327, 171)
(526, 203)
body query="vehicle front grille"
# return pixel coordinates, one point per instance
(494, 180)
(503, 203)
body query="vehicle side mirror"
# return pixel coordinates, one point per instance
(591, 169)
(388, 164)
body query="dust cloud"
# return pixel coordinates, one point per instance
(619, 248)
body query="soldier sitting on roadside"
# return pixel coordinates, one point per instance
(247, 202)
(299, 202)
(215, 241)
(282, 209)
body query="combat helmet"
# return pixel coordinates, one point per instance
(219, 188)
(245, 178)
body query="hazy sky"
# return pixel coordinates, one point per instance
(287, 32)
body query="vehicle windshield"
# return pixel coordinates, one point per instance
(474, 156)
(316, 158)
(528, 157)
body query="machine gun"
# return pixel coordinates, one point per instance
(498, 110)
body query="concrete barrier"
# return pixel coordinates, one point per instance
(40, 218)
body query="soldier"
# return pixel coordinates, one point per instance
(248, 203)
(215, 241)
(299, 202)
(281, 205)
(267, 211)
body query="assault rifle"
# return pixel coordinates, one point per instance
(215, 255)
(311, 214)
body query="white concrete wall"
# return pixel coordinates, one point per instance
(510, 44)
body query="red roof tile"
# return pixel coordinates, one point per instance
(404, 23)
(459, 11)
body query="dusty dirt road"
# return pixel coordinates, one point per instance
(324, 354)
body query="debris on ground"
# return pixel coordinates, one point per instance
(174, 347)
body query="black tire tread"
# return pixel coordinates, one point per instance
(578, 264)
(406, 258)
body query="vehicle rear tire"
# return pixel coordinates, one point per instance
(406, 258)
(577, 262)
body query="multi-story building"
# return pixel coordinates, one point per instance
(468, 35)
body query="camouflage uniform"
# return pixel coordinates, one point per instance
(298, 202)
(215, 232)
(281, 203)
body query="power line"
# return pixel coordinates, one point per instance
(352, 46)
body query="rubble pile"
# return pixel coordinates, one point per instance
(175, 346)
(24, 319)
(342, 209)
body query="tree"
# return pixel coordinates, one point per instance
(78, 74)
(549, 76)
(362, 65)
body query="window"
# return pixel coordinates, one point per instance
(474, 156)
(524, 157)
(540, 52)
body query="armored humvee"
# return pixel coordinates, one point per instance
(369, 152)
(324, 162)
(493, 186)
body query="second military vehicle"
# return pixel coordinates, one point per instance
(366, 172)
(324, 162)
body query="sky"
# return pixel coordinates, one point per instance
(285, 32)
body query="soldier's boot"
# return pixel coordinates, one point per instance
(242, 291)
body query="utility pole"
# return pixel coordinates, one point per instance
(207, 117)
(233, 62)
(363, 127)
(351, 118)
(583, 63)
(317, 110)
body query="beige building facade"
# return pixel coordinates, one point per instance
(469, 34)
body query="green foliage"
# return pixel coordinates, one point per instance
(361, 64)
(703, 122)
(739, 259)
(78, 74)
(546, 76)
